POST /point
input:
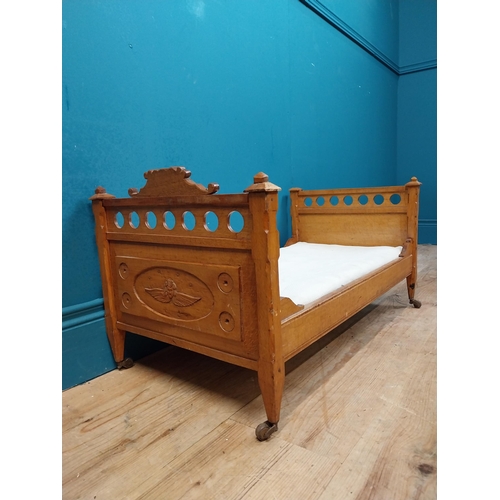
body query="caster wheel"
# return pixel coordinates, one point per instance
(126, 363)
(416, 303)
(264, 430)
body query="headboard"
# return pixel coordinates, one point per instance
(179, 260)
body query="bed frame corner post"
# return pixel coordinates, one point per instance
(294, 214)
(263, 202)
(116, 336)
(413, 191)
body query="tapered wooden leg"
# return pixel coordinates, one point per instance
(410, 284)
(263, 203)
(116, 336)
(116, 339)
(271, 382)
(413, 189)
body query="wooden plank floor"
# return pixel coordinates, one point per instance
(358, 418)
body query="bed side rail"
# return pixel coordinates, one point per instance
(355, 216)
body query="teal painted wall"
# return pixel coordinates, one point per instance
(374, 21)
(417, 144)
(417, 107)
(417, 32)
(226, 89)
(343, 108)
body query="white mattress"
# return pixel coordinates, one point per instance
(308, 271)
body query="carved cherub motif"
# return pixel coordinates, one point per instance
(169, 294)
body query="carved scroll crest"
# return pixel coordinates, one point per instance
(172, 181)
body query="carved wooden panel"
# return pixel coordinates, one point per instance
(172, 181)
(174, 293)
(196, 296)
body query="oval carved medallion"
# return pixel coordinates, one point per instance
(174, 293)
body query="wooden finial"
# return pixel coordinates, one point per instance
(260, 177)
(262, 184)
(413, 182)
(100, 194)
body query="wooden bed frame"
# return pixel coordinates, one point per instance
(216, 292)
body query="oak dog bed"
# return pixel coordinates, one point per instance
(201, 270)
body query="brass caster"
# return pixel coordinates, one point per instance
(126, 363)
(416, 303)
(264, 430)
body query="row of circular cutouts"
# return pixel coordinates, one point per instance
(234, 221)
(348, 200)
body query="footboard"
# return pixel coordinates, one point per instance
(177, 266)
(359, 216)
(356, 216)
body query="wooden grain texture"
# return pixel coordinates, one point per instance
(303, 329)
(358, 418)
(161, 267)
(116, 336)
(173, 181)
(265, 251)
(354, 229)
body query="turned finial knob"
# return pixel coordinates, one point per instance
(413, 182)
(100, 194)
(261, 184)
(260, 177)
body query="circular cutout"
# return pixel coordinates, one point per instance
(308, 202)
(320, 201)
(211, 222)
(119, 220)
(378, 199)
(133, 220)
(226, 322)
(334, 200)
(225, 283)
(150, 220)
(188, 221)
(235, 222)
(168, 220)
(395, 199)
(363, 199)
(348, 200)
